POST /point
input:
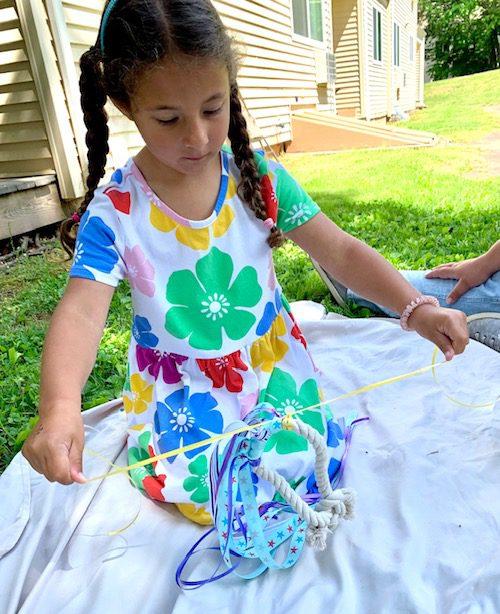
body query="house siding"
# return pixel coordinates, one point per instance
(276, 70)
(346, 49)
(404, 76)
(24, 145)
(376, 71)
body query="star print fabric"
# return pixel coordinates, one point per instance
(212, 334)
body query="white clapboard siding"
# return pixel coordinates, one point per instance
(346, 50)
(275, 70)
(24, 146)
(376, 71)
(405, 13)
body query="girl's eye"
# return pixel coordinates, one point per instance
(167, 121)
(214, 111)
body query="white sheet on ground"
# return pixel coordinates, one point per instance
(425, 536)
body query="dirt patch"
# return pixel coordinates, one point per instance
(489, 148)
(493, 108)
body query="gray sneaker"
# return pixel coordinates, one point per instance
(485, 328)
(338, 291)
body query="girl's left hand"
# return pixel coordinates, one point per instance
(446, 328)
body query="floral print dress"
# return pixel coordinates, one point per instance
(212, 333)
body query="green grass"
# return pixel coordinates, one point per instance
(415, 206)
(460, 108)
(29, 293)
(418, 207)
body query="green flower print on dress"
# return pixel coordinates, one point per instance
(208, 302)
(281, 392)
(198, 480)
(145, 478)
(126, 385)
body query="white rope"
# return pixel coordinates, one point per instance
(333, 505)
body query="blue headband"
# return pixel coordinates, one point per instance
(104, 22)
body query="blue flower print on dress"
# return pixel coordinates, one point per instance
(270, 312)
(117, 176)
(182, 420)
(334, 434)
(141, 330)
(94, 247)
(333, 467)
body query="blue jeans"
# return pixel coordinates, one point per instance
(477, 300)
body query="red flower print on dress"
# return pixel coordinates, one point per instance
(269, 197)
(153, 484)
(223, 370)
(296, 332)
(155, 360)
(120, 200)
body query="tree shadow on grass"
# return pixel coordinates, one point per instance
(411, 236)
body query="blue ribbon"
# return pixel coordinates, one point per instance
(244, 529)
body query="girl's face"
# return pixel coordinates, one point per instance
(181, 109)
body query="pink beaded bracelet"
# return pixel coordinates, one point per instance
(410, 308)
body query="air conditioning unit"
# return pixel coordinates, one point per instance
(325, 67)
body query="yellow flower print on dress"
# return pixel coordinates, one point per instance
(232, 188)
(197, 514)
(269, 349)
(142, 394)
(195, 238)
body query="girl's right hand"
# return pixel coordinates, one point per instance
(54, 447)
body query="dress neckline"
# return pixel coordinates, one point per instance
(156, 200)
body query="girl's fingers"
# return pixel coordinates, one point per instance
(75, 461)
(58, 467)
(444, 343)
(459, 333)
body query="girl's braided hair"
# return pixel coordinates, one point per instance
(138, 34)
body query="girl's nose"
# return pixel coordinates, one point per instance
(196, 136)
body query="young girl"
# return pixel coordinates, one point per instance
(191, 225)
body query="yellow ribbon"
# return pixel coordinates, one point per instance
(246, 428)
(449, 397)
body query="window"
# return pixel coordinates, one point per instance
(395, 45)
(411, 48)
(377, 35)
(308, 18)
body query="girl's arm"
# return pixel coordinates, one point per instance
(365, 271)
(353, 263)
(55, 446)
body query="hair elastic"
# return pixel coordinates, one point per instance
(410, 308)
(104, 21)
(75, 217)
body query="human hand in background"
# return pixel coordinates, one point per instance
(468, 273)
(54, 447)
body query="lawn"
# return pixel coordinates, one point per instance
(463, 109)
(418, 207)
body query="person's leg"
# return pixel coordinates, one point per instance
(484, 298)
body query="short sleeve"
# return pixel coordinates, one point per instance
(99, 244)
(295, 206)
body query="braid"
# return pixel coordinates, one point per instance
(249, 187)
(93, 99)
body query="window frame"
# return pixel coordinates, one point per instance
(377, 48)
(396, 44)
(308, 40)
